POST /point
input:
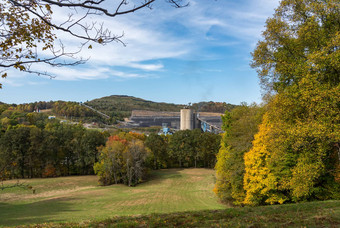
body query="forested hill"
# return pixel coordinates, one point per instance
(211, 106)
(122, 105)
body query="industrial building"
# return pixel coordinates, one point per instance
(186, 119)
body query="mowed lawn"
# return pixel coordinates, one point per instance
(80, 198)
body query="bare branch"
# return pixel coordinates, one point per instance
(26, 23)
(90, 5)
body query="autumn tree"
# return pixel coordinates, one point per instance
(135, 157)
(28, 30)
(122, 160)
(240, 125)
(295, 153)
(109, 168)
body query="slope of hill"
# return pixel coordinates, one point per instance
(211, 106)
(122, 105)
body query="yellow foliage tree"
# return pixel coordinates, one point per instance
(260, 180)
(295, 155)
(240, 124)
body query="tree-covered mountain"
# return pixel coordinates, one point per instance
(211, 106)
(122, 105)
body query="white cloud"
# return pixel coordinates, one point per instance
(147, 67)
(14, 83)
(88, 72)
(154, 36)
(144, 43)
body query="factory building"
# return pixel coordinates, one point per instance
(186, 119)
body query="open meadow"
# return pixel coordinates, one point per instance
(79, 198)
(172, 198)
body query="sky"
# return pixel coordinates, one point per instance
(197, 53)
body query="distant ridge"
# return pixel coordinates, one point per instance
(123, 105)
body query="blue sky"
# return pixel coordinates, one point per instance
(197, 53)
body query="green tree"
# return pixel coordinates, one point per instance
(33, 146)
(208, 147)
(302, 37)
(157, 145)
(180, 147)
(14, 145)
(197, 150)
(36, 160)
(88, 154)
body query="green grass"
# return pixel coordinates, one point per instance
(172, 198)
(311, 214)
(77, 199)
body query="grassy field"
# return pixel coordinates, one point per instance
(172, 198)
(309, 214)
(77, 199)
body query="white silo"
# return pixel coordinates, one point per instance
(187, 119)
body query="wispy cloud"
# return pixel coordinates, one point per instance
(11, 82)
(164, 33)
(147, 67)
(89, 72)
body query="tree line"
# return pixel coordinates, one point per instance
(56, 149)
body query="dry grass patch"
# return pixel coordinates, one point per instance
(8, 197)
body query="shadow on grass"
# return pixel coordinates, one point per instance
(30, 213)
(311, 214)
(155, 177)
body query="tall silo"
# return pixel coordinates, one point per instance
(187, 119)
